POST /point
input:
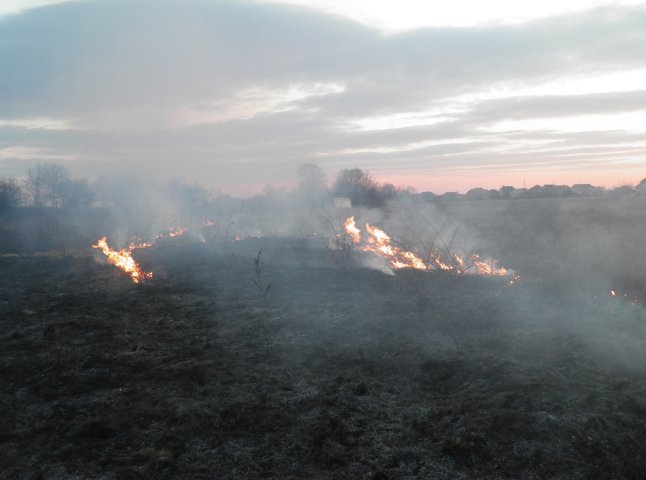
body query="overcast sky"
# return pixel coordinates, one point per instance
(238, 94)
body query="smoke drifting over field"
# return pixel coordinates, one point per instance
(232, 243)
(212, 329)
(584, 248)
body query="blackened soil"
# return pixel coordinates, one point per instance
(337, 372)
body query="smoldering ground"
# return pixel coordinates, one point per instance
(310, 362)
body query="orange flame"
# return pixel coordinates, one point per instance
(172, 233)
(352, 230)
(625, 297)
(484, 268)
(123, 259)
(379, 243)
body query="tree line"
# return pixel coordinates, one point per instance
(52, 186)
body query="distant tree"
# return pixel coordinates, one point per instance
(78, 194)
(357, 185)
(47, 184)
(311, 179)
(275, 194)
(362, 189)
(131, 202)
(404, 190)
(191, 193)
(10, 194)
(350, 181)
(191, 200)
(388, 191)
(640, 189)
(35, 186)
(311, 185)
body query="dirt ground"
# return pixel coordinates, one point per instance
(338, 372)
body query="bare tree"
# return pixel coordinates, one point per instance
(47, 184)
(10, 194)
(359, 186)
(78, 194)
(311, 179)
(191, 200)
(311, 186)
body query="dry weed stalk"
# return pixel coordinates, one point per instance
(262, 289)
(343, 245)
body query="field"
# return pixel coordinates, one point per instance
(329, 369)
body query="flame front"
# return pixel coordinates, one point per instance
(380, 243)
(123, 259)
(172, 233)
(352, 230)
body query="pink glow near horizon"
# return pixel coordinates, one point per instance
(454, 183)
(443, 183)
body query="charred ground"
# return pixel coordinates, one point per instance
(338, 372)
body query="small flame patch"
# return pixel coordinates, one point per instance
(123, 259)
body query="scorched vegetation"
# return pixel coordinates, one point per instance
(324, 357)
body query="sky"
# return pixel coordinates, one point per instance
(238, 94)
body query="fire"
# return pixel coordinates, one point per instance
(625, 297)
(172, 233)
(123, 259)
(352, 230)
(490, 268)
(380, 243)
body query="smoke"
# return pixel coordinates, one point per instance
(580, 260)
(581, 266)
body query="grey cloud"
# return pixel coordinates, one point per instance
(76, 57)
(101, 62)
(545, 106)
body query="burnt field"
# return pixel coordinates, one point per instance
(311, 367)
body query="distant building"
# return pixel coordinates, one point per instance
(493, 194)
(505, 191)
(342, 202)
(550, 191)
(518, 193)
(450, 196)
(587, 190)
(478, 194)
(623, 190)
(428, 196)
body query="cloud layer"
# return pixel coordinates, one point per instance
(238, 94)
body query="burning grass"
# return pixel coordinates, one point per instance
(380, 243)
(123, 260)
(337, 371)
